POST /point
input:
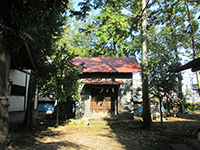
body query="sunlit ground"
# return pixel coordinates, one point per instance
(122, 136)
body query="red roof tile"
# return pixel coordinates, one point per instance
(104, 82)
(108, 64)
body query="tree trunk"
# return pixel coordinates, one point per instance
(146, 107)
(29, 121)
(4, 123)
(198, 81)
(6, 46)
(161, 115)
(57, 113)
(4, 95)
(168, 103)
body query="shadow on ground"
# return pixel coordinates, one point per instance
(192, 116)
(173, 130)
(125, 132)
(31, 139)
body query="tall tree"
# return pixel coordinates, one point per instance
(162, 80)
(173, 17)
(118, 20)
(169, 16)
(145, 93)
(193, 27)
(21, 20)
(112, 30)
(29, 121)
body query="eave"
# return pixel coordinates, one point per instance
(194, 65)
(25, 58)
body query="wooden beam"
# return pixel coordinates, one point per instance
(28, 48)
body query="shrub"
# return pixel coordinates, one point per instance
(193, 106)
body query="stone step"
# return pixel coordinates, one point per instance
(114, 122)
(98, 123)
(181, 147)
(195, 143)
(104, 122)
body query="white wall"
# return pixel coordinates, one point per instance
(17, 103)
(17, 77)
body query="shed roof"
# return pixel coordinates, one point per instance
(108, 64)
(194, 65)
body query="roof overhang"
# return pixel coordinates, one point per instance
(194, 65)
(25, 58)
(104, 82)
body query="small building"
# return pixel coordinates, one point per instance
(21, 65)
(106, 86)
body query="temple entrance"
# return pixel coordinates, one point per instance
(104, 100)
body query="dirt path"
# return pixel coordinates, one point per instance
(113, 137)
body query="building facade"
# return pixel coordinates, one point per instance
(106, 86)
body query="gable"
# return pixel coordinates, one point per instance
(108, 64)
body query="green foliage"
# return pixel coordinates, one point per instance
(193, 106)
(36, 20)
(117, 26)
(78, 37)
(162, 80)
(42, 22)
(177, 103)
(58, 78)
(112, 27)
(111, 31)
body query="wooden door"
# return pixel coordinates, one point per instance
(104, 101)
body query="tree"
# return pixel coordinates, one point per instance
(29, 121)
(59, 78)
(114, 26)
(162, 80)
(173, 15)
(115, 30)
(21, 20)
(121, 21)
(145, 93)
(112, 30)
(78, 37)
(193, 27)
(177, 28)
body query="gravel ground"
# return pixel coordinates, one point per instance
(113, 137)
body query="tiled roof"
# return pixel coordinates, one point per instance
(104, 82)
(108, 64)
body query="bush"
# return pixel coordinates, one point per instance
(193, 106)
